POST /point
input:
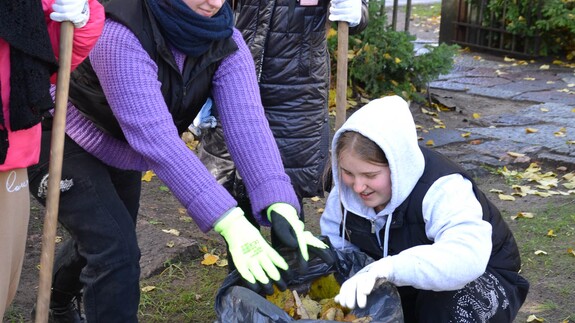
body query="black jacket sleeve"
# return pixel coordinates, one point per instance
(364, 19)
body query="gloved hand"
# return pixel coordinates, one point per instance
(75, 11)
(345, 10)
(289, 229)
(253, 257)
(356, 289)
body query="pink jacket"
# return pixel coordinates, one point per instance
(24, 149)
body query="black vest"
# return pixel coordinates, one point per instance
(408, 228)
(184, 93)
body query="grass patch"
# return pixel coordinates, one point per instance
(552, 230)
(426, 10)
(184, 292)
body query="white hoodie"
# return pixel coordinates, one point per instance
(452, 213)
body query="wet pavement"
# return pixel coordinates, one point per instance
(537, 116)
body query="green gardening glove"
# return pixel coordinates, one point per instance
(289, 229)
(253, 257)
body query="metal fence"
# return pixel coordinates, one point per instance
(471, 24)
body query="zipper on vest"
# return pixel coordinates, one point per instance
(372, 226)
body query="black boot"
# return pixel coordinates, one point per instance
(69, 313)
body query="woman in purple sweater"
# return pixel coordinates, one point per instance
(155, 64)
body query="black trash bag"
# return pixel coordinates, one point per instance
(237, 303)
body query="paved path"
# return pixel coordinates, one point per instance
(545, 97)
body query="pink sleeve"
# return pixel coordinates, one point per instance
(84, 38)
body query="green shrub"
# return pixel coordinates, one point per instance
(382, 61)
(553, 21)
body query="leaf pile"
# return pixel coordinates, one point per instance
(318, 303)
(532, 181)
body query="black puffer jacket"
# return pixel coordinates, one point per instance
(289, 45)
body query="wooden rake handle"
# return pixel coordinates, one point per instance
(341, 78)
(55, 171)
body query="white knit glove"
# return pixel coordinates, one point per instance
(75, 11)
(356, 289)
(345, 10)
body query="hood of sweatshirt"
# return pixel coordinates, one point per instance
(389, 123)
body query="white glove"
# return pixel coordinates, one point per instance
(363, 283)
(345, 10)
(75, 11)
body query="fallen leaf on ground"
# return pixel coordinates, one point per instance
(527, 215)
(505, 197)
(148, 176)
(533, 318)
(172, 231)
(146, 289)
(209, 259)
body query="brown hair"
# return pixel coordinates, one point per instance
(364, 147)
(367, 149)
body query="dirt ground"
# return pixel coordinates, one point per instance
(158, 206)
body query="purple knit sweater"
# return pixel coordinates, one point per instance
(129, 79)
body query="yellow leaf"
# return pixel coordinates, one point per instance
(320, 210)
(397, 60)
(531, 130)
(504, 197)
(429, 143)
(222, 263)
(209, 259)
(425, 111)
(324, 287)
(172, 231)
(542, 194)
(570, 142)
(148, 176)
(529, 78)
(146, 289)
(436, 120)
(170, 244)
(544, 109)
(533, 318)
(528, 215)
(540, 252)
(465, 135)
(550, 233)
(544, 67)
(315, 199)
(331, 33)
(477, 58)
(514, 154)
(508, 59)
(476, 116)
(495, 191)
(571, 251)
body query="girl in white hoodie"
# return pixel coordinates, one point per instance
(432, 232)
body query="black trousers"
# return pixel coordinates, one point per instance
(496, 297)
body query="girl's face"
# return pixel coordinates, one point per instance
(372, 182)
(206, 8)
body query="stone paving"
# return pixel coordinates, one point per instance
(544, 93)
